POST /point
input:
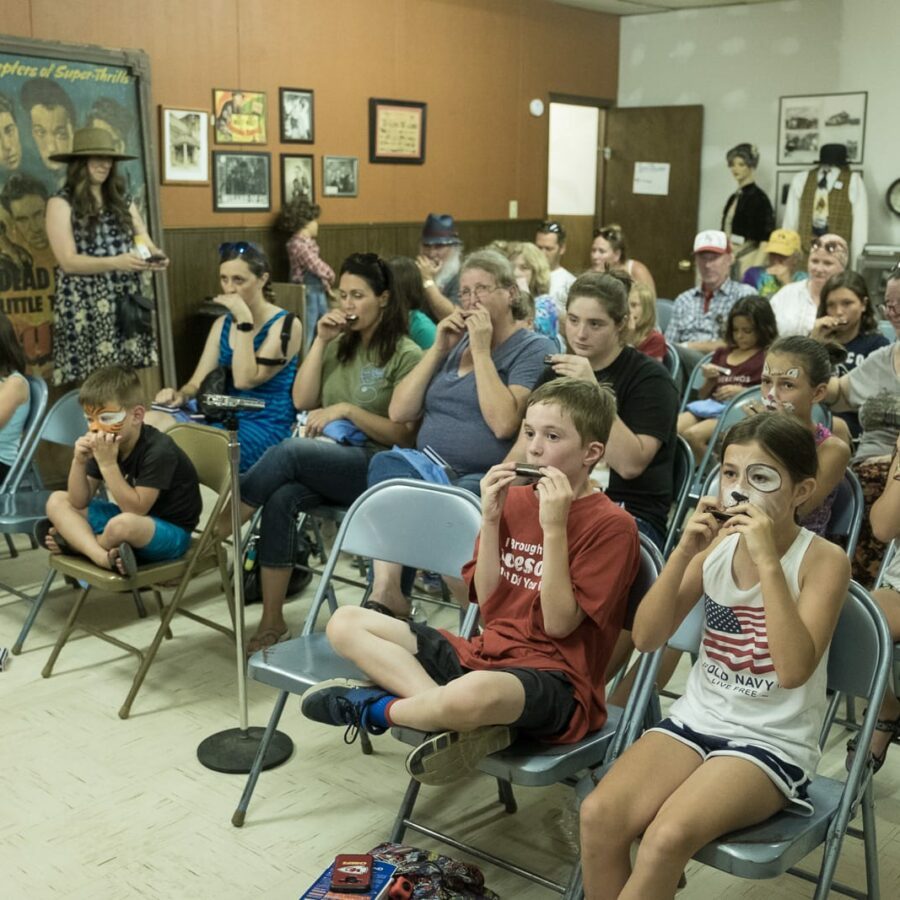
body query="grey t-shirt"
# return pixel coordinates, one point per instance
(875, 390)
(453, 424)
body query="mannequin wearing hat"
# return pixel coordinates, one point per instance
(94, 230)
(829, 199)
(748, 217)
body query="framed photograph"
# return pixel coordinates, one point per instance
(296, 177)
(297, 120)
(397, 131)
(184, 146)
(340, 176)
(240, 116)
(807, 122)
(242, 181)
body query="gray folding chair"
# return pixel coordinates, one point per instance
(879, 582)
(672, 362)
(23, 463)
(533, 764)
(663, 313)
(426, 526)
(683, 478)
(695, 381)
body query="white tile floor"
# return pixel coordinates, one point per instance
(96, 807)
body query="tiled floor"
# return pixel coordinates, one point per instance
(96, 807)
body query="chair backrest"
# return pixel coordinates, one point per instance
(65, 422)
(847, 512)
(683, 477)
(885, 327)
(37, 395)
(207, 448)
(421, 525)
(733, 412)
(695, 381)
(663, 313)
(672, 362)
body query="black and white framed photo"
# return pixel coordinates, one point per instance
(297, 120)
(340, 176)
(242, 181)
(296, 177)
(807, 122)
(185, 145)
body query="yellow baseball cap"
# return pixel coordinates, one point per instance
(784, 242)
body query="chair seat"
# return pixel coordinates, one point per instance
(82, 569)
(532, 763)
(296, 665)
(20, 512)
(770, 849)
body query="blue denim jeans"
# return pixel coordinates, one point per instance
(316, 305)
(295, 476)
(385, 466)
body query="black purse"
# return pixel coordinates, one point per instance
(134, 315)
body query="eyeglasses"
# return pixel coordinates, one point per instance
(828, 246)
(479, 292)
(239, 247)
(892, 307)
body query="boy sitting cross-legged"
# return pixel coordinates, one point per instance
(154, 493)
(553, 566)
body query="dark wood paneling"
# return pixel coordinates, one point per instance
(193, 274)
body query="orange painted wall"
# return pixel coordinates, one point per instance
(476, 63)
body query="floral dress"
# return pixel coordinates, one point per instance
(85, 334)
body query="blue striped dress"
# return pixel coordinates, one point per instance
(259, 430)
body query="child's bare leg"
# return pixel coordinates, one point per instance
(698, 436)
(724, 794)
(666, 669)
(386, 587)
(71, 522)
(623, 805)
(159, 420)
(686, 420)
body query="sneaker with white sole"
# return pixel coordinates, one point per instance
(343, 701)
(450, 755)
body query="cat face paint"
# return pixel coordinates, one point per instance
(778, 385)
(750, 476)
(105, 419)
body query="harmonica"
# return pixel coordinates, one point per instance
(525, 470)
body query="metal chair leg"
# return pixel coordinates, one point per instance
(47, 671)
(870, 847)
(237, 818)
(36, 605)
(505, 795)
(406, 808)
(13, 553)
(575, 886)
(139, 604)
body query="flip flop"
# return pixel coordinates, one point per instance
(42, 532)
(125, 555)
(262, 640)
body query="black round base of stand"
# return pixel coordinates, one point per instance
(234, 750)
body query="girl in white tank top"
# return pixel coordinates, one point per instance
(740, 744)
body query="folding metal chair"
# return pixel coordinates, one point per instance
(695, 381)
(672, 362)
(208, 450)
(533, 764)
(22, 465)
(664, 309)
(422, 525)
(683, 478)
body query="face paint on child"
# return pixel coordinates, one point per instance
(769, 388)
(105, 419)
(745, 479)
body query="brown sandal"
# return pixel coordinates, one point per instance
(262, 640)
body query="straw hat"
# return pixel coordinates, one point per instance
(91, 142)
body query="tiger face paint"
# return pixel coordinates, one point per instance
(105, 419)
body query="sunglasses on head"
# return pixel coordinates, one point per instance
(238, 247)
(608, 233)
(828, 246)
(552, 227)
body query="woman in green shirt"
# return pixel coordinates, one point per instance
(361, 350)
(408, 285)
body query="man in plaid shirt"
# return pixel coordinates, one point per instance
(699, 314)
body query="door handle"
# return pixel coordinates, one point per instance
(685, 265)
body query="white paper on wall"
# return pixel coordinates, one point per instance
(651, 178)
(572, 167)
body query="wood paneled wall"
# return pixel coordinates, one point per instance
(193, 275)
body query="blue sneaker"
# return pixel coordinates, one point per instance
(343, 701)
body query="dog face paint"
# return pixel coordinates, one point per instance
(778, 385)
(105, 419)
(750, 475)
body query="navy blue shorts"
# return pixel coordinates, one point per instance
(788, 778)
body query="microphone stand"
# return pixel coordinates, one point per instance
(234, 750)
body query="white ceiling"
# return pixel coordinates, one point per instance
(640, 7)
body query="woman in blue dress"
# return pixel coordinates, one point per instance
(258, 346)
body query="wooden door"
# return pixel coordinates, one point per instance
(659, 229)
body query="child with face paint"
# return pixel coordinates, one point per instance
(795, 378)
(153, 488)
(741, 743)
(749, 330)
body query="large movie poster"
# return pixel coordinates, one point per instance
(42, 102)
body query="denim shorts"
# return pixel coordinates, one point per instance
(788, 778)
(168, 542)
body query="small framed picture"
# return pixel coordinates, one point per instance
(340, 176)
(396, 131)
(297, 120)
(240, 116)
(184, 145)
(242, 181)
(296, 177)
(806, 123)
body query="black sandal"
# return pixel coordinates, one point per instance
(889, 725)
(42, 532)
(384, 610)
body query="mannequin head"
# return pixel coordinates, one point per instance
(742, 162)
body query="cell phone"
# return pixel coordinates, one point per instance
(723, 369)
(525, 470)
(157, 258)
(352, 872)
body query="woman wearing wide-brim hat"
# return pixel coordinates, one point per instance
(94, 230)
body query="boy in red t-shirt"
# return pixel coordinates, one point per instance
(552, 570)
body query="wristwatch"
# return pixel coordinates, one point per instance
(244, 326)
(428, 284)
